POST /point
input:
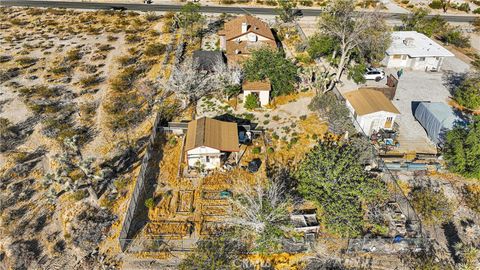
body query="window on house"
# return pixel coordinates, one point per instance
(404, 57)
(207, 159)
(397, 56)
(421, 59)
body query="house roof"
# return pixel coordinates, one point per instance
(415, 44)
(246, 47)
(257, 85)
(233, 29)
(366, 101)
(212, 133)
(206, 60)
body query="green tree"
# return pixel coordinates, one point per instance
(251, 102)
(468, 93)
(286, 10)
(150, 203)
(189, 18)
(266, 63)
(356, 73)
(232, 90)
(332, 176)
(420, 22)
(319, 46)
(462, 149)
(217, 252)
(363, 34)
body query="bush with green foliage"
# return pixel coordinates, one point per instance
(468, 93)
(462, 149)
(268, 64)
(150, 203)
(332, 176)
(251, 102)
(436, 4)
(357, 72)
(420, 22)
(455, 37)
(433, 207)
(319, 46)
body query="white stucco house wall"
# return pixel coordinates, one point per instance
(371, 109)
(413, 50)
(209, 141)
(259, 88)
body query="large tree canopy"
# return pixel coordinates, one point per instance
(468, 93)
(332, 176)
(268, 64)
(365, 35)
(462, 149)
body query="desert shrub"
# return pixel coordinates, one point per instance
(306, 3)
(133, 39)
(256, 150)
(79, 195)
(476, 11)
(111, 38)
(125, 79)
(8, 74)
(463, 7)
(151, 16)
(436, 4)
(433, 207)
(455, 37)
(124, 110)
(105, 48)
(150, 203)
(26, 61)
(73, 55)
(127, 60)
(90, 80)
(251, 102)
(5, 58)
(60, 69)
(42, 91)
(471, 195)
(155, 49)
(18, 22)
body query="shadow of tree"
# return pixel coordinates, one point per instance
(452, 80)
(451, 234)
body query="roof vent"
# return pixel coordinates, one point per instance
(237, 51)
(244, 27)
(408, 41)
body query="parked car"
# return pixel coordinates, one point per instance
(118, 8)
(374, 74)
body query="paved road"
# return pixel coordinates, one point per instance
(176, 7)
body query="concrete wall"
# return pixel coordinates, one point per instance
(415, 63)
(207, 156)
(263, 96)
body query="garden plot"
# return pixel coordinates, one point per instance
(167, 228)
(185, 201)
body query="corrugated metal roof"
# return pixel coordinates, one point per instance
(212, 133)
(366, 101)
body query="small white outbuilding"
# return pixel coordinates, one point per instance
(371, 109)
(209, 141)
(410, 49)
(259, 88)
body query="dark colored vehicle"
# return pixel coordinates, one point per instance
(117, 8)
(254, 165)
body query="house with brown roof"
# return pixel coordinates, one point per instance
(259, 88)
(209, 141)
(244, 34)
(371, 109)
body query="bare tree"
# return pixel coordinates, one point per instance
(364, 33)
(190, 84)
(259, 205)
(228, 77)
